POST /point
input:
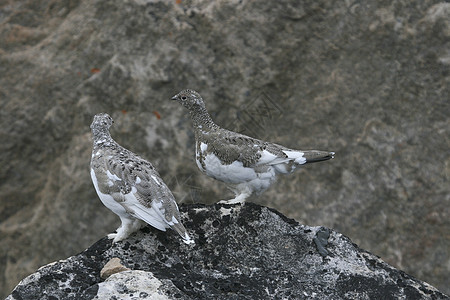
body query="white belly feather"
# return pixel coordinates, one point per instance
(232, 173)
(243, 179)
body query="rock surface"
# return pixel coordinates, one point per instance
(241, 252)
(113, 266)
(368, 80)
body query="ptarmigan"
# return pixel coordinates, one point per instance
(247, 165)
(130, 186)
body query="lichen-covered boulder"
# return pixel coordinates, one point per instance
(241, 252)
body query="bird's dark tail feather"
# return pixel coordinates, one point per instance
(313, 156)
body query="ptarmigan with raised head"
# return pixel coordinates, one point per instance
(130, 186)
(247, 165)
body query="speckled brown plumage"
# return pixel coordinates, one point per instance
(229, 153)
(130, 186)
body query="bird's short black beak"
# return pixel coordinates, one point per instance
(174, 98)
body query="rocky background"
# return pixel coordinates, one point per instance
(367, 80)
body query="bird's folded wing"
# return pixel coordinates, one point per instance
(150, 215)
(230, 147)
(268, 158)
(142, 189)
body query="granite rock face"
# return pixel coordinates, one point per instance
(367, 80)
(241, 252)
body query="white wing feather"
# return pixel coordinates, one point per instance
(151, 215)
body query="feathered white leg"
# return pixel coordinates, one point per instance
(124, 230)
(241, 192)
(138, 224)
(240, 198)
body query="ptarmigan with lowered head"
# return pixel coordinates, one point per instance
(130, 186)
(247, 165)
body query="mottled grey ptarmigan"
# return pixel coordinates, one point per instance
(130, 186)
(247, 165)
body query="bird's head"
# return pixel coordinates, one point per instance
(189, 99)
(102, 121)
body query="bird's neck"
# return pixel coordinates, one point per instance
(101, 137)
(201, 119)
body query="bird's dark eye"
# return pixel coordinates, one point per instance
(183, 97)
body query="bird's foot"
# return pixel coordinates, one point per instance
(111, 236)
(124, 230)
(120, 236)
(116, 237)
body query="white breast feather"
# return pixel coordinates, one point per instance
(232, 173)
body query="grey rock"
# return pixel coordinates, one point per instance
(368, 79)
(135, 285)
(241, 252)
(113, 266)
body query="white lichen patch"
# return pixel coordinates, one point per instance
(134, 282)
(225, 211)
(29, 279)
(197, 210)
